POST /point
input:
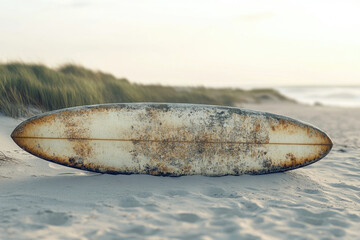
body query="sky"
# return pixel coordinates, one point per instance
(222, 43)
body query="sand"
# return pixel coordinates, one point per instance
(43, 200)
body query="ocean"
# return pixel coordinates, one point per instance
(340, 96)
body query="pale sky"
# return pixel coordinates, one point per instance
(233, 43)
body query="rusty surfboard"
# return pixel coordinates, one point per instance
(172, 139)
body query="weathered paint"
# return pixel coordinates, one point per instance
(172, 139)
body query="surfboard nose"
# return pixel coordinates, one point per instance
(17, 134)
(321, 147)
(17, 131)
(328, 142)
(31, 127)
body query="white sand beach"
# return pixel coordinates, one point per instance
(42, 200)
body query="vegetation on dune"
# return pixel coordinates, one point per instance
(24, 86)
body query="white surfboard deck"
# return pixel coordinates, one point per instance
(172, 139)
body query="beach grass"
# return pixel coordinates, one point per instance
(25, 86)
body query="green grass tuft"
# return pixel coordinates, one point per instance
(24, 86)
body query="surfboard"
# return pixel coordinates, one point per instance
(172, 139)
